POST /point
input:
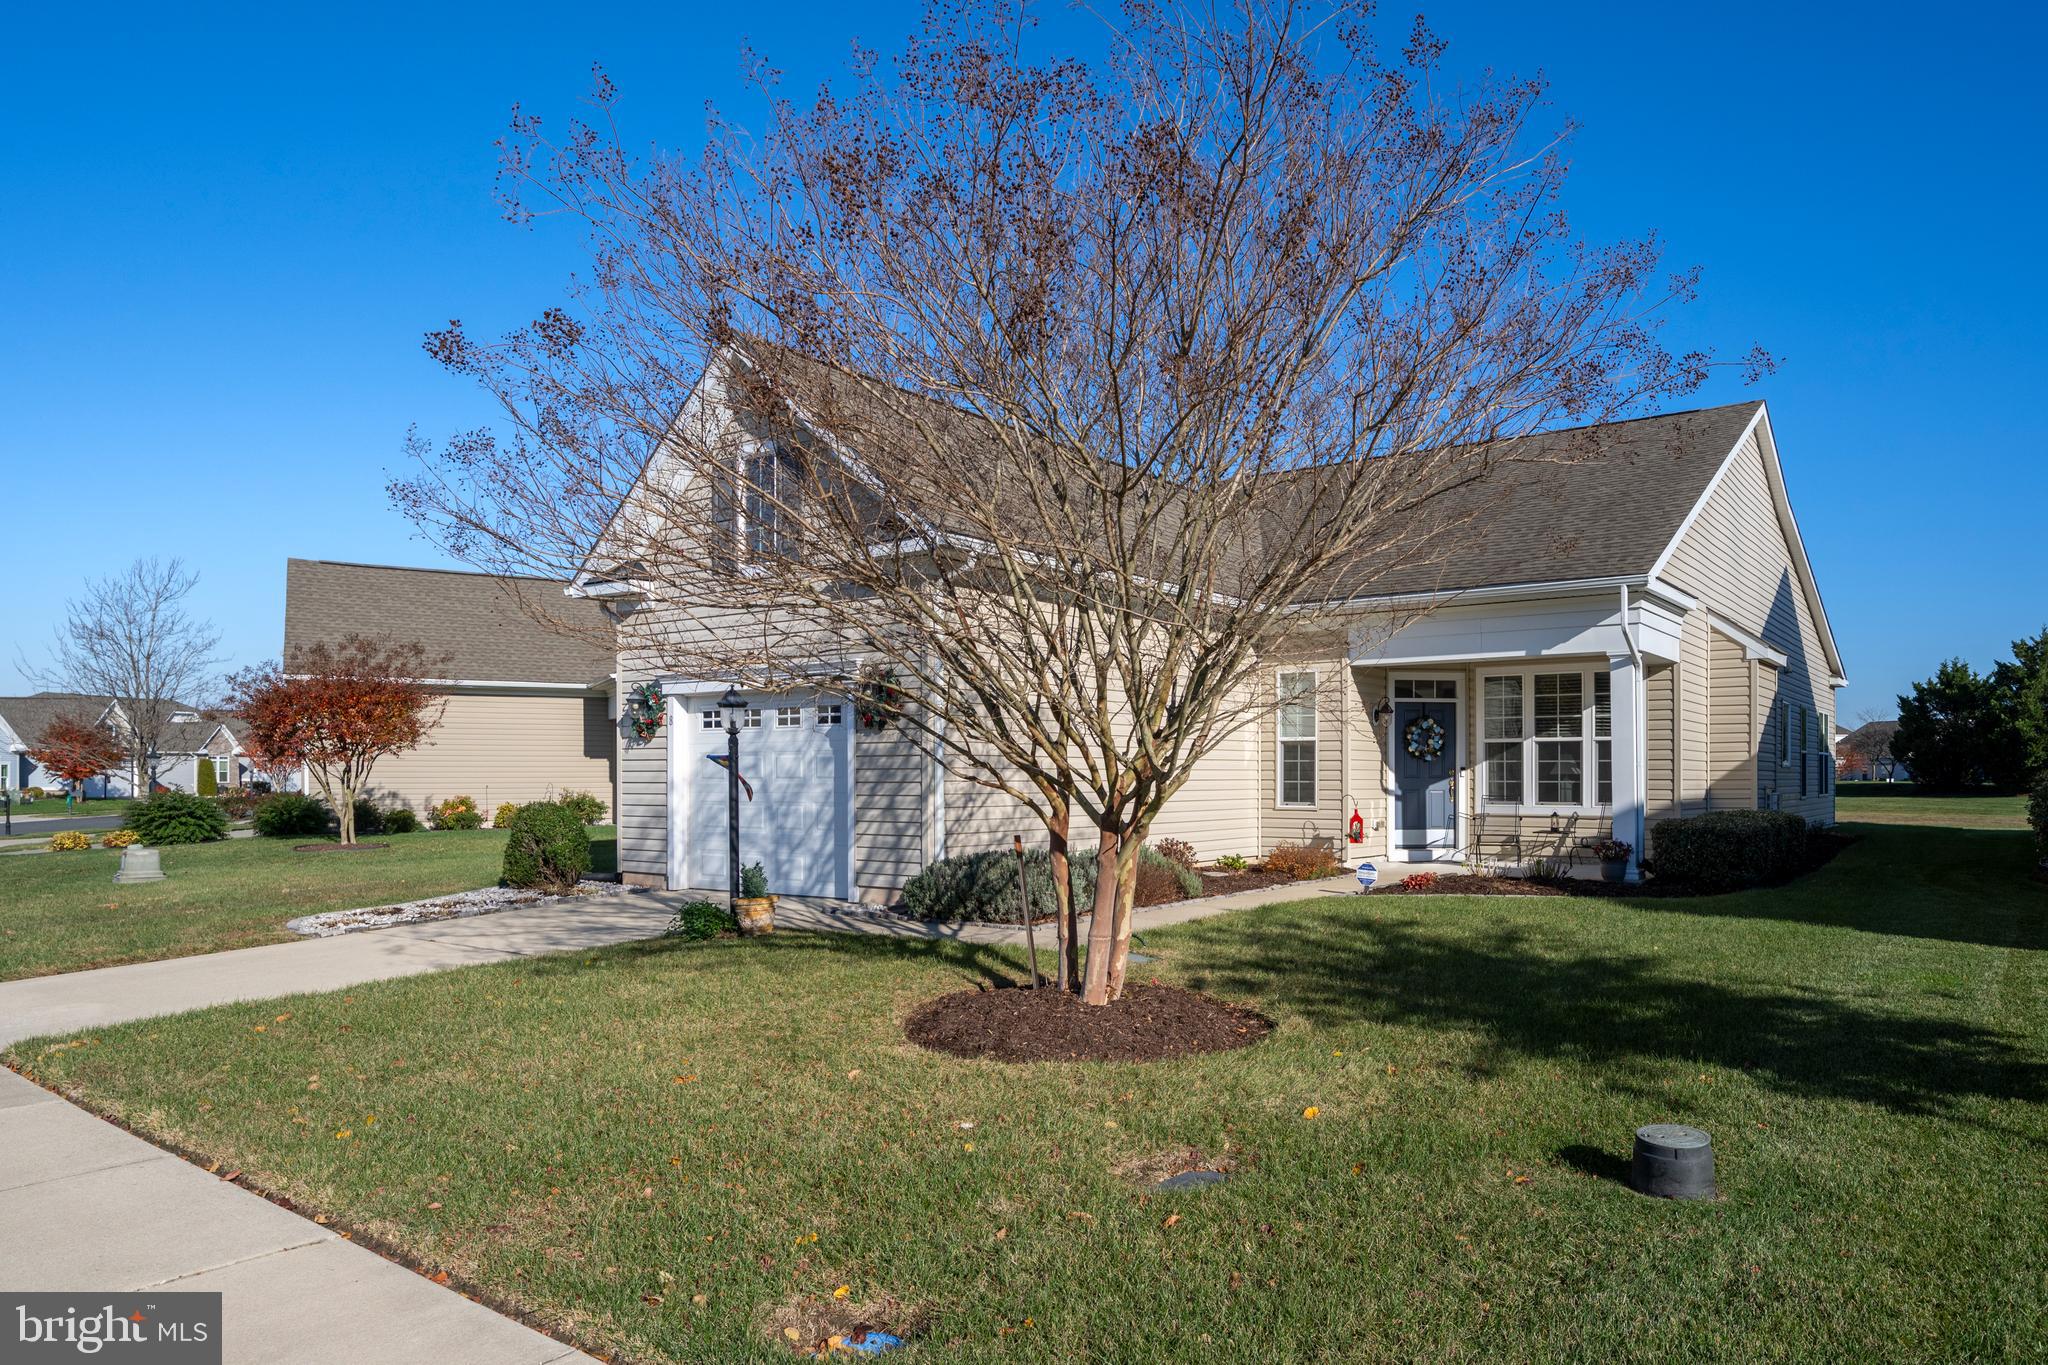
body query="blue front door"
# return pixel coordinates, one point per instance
(1425, 775)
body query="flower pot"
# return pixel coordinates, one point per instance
(755, 914)
(1614, 870)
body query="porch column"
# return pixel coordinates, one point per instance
(1630, 765)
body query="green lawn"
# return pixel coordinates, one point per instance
(54, 805)
(62, 912)
(1902, 806)
(653, 1147)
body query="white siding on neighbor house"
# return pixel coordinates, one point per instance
(1736, 560)
(503, 746)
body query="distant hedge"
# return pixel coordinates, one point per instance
(178, 818)
(1726, 850)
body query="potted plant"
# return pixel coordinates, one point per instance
(1613, 856)
(755, 910)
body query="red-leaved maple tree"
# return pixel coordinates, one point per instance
(77, 750)
(337, 709)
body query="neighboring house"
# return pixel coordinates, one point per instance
(1620, 638)
(528, 710)
(1865, 754)
(188, 741)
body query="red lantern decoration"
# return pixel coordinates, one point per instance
(1357, 828)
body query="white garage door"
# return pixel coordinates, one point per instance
(796, 750)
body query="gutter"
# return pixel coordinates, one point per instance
(1639, 756)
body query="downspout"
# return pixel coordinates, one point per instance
(1638, 756)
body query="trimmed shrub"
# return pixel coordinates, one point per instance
(699, 920)
(2037, 813)
(1726, 850)
(1303, 862)
(241, 804)
(207, 783)
(1176, 851)
(293, 815)
(753, 879)
(33, 793)
(401, 820)
(70, 841)
(457, 812)
(119, 838)
(983, 886)
(501, 818)
(586, 807)
(548, 849)
(178, 818)
(369, 819)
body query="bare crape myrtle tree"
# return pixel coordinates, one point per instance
(1067, 394)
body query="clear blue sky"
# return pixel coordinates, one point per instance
(227, 229)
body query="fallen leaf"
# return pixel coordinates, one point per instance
(654, 1299)
(1310, 1112)
(700, 1299)
(792, 1334)
(321, 1219)
(342, 1133)
(842, 1291)
(235, 1174)
(282, 1017)
(439, 1277)
(1171, 1219)
(434, 1205)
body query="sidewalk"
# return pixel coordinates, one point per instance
(90, 1207)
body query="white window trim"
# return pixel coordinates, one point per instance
(1315, 742)
(1589, 771)
(1461, 762)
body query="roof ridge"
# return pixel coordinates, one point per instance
(416, 568)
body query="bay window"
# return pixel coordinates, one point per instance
(1547, 738)
(1297, 778)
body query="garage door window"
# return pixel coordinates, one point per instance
(829, 714)
(788, 717)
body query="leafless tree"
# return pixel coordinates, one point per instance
(1065, 398)
(130, 638)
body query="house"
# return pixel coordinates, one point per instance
(1630, 634)
(1865, 754)
(528, 709)
(189, 740)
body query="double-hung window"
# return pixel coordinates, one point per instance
(1805, 746)
(1603, 738)
(1546, 738)
(1297, 725)
(1560, 725)
(1502, 737)
(1827, 752)
(771, 490)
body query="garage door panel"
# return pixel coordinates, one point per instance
(797, 825)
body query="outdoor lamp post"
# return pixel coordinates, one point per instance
(732, 703)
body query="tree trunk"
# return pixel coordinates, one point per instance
(1127, 904)
(1109, 925)
(1067, 969)
(345, 814)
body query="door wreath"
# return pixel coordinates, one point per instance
(1424, 737)
(646, 708)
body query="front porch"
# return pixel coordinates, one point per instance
(1517, 735)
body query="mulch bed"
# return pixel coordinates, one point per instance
(1249, 879)
(1821, 850)
(1018, 1025)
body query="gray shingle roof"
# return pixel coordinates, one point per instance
(489, 627)
(1589, 502)
(28, 716)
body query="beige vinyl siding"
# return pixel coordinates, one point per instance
(503, 746)
(889, 774)
(980, 818)
(1694, 707)
(1660, 742)
(1734, 731)
(1370, 780)
(1735, 559)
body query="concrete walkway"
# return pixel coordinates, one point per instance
(86, 1206)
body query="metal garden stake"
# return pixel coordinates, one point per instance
(1024, 908)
